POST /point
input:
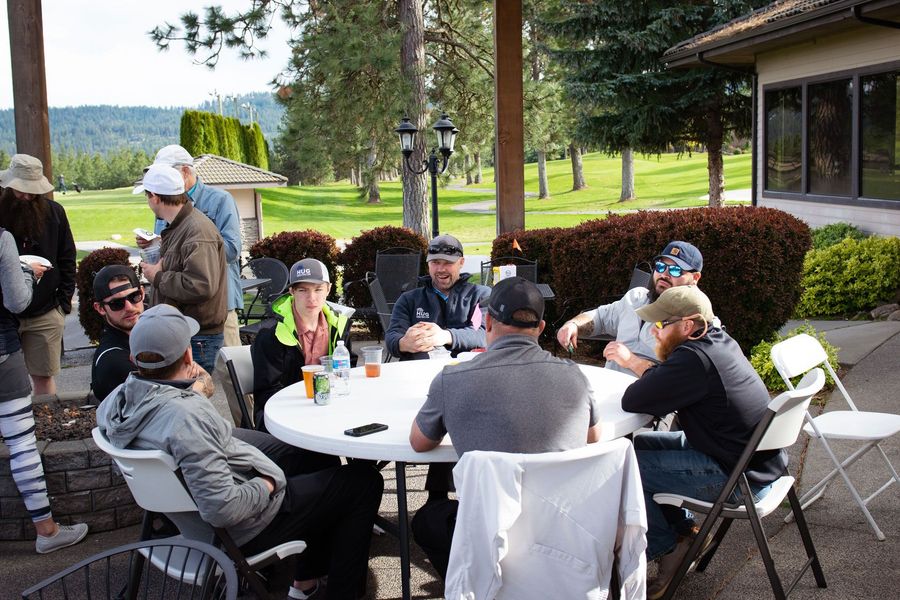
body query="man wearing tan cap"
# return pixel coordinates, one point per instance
(719, 398)
(41, 230)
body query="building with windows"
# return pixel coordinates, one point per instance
(826, 123)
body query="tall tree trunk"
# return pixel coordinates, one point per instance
(467, 166)
(714, 165)
(627, 175)
(577, 168)
(478, 167)
(412, 65)
(543, 187)
(354, 180)
(373, 174)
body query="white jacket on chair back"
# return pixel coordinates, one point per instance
(548, 525)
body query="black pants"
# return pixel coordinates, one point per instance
(331, 508)
(432, 528)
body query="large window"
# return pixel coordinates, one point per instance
(880, 158)
(810, 130)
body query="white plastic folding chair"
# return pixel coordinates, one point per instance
(779, 428)
(239, 364)
(153, 479)
(795, 356)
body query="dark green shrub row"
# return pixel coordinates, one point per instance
(831, 234)
(208, 133)
(753, 260)
(850, 276)
(90, 320)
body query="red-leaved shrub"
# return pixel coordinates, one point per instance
(90, 319)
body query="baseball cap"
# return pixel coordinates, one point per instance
(684, 255)
(161, 180)
(309, 269)
(107, 274)
(162, 330)
(512, 294)
(173, 155)
(677, 302)
(445, 247)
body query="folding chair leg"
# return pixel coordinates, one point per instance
(761, 542)
(247, 573)
(714, 546)
(693, 551)
(807, 539)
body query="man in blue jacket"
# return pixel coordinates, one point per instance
(443, 312)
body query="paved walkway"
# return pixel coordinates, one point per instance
(855, 564)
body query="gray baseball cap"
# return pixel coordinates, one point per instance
(309, 269)
(162, 330)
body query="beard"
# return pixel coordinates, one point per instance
(665, 347)
(25, 219)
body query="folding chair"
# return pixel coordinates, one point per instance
(153, 479)
(240, 370)
(779, 428)
(795, 356)
(186, 569)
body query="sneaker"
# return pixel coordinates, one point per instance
(316, 592)
(669, 563)
(68, 535)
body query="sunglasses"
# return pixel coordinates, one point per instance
(664, 324)
(452, 250)
(674, 270)
(134, 298)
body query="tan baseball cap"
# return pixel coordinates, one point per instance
(677, 302)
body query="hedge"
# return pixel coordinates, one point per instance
(291, 246)
(90, 319)
(207, 133)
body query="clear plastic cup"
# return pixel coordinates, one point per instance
(439, 353)
(308, 371)
(372, 358)
(325, 361)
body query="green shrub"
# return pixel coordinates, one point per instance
(761, 358)
(753, 259)
(90, 320)
(358, 256)
(850, 276)
(829, 235)
(291, 246)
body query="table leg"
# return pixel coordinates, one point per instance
(403, 526)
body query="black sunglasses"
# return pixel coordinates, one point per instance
(445, 249)
(134, 298)
(674, 270)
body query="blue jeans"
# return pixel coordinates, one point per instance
(669, 464)
(205, 348)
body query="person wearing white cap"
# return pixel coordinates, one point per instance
(40, 228)
(191, 271)
(264, 492)
(220, 207)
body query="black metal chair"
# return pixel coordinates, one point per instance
(524, 268)
(397, 270)
(277, 273)
(382, 309)
(182, 569)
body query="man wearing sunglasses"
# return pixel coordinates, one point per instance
(119, 299)
(720, 399)
(632, 352)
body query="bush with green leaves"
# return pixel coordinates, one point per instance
(849, 277)
(761, 357)
(831, 234)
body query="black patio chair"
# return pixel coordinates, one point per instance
(277, 273)
(397, 270)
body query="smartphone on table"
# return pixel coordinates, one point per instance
(365, 429)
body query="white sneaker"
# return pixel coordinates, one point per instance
(68, 535)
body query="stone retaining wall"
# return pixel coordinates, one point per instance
(84, 487)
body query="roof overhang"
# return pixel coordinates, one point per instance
(730, 45)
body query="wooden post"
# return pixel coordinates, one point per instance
(508, 116)
(26, 45)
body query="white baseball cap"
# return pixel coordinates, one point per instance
(173, 155)
(161, 180)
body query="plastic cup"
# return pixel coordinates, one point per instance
(439, 353)
(308, 371)
(326, 363)
(372, 357)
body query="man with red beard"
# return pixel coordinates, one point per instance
(40, 228)
(720, 400)
(633, 349)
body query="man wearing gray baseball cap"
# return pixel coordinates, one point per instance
(262, 491)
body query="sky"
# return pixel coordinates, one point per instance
(98, 52)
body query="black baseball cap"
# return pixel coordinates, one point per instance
(107, 274)
(444, 247)
(512, 294)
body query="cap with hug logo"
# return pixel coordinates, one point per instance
(309, 269)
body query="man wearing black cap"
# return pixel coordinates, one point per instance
(680, 263)
(245, 481)
(515, 397)
(443, 312)
(119, 299)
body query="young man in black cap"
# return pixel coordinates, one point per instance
(443, 312)
(247, 482)
(119, 299)
(491, 403)
(680, 263)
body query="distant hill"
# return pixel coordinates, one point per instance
(104, 129)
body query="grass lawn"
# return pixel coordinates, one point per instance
(338, 210)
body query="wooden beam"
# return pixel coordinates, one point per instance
(26, 45)
(508, 116)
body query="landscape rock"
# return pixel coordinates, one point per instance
(883, 311)
(894, 316)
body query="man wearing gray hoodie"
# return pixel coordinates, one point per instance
(227, 470)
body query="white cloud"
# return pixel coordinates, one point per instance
(98, 52)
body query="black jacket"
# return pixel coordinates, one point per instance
(56, 245)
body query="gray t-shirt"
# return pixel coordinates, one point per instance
(515, 397)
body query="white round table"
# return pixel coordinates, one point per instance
(394, 399)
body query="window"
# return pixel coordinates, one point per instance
(784, 127)
(830, 137)
(880, 160)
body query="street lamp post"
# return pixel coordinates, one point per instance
(446, 137)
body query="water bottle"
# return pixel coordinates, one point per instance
(340, 360)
